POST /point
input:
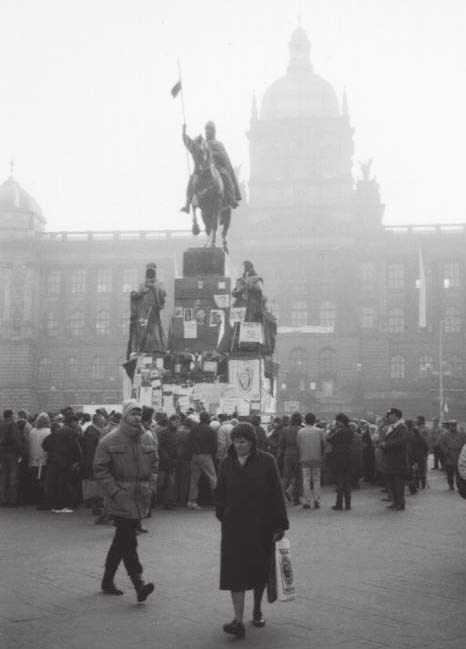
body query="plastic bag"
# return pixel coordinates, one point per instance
(284, 571)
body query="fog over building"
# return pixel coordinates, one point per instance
(355, 332)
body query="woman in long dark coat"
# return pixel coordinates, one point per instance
(252, 510)
(341, 437)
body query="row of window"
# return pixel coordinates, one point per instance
(76, 322)
(99, 369)
(396, 321)
(78, 280)
(327, 364)
(396, 274)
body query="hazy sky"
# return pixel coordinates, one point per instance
(86, 110)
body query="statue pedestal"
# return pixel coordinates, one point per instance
(203, 261)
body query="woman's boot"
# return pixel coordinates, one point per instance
(338, 506)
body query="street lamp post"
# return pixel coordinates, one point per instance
(440, 369)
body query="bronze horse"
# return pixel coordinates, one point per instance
(209, 194)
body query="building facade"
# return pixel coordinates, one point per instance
(355, 332)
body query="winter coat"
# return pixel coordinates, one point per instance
(418, 448)
(311, 446)
(340, 438)
(63, 449)
(203, 440)
(37, 456)
(10, 438)
(90, 440)
(451, 444)
(289, 441)
(396, 449)
(462, 463)
(168, 449)
(250, 505)
(124, 465)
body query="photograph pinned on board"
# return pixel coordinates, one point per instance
(217, 316)
(201, 316)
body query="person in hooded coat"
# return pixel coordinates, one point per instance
(251, 508)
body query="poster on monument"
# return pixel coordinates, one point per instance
(237, 314)
(190, 329)
(251, 332)
(245, 376)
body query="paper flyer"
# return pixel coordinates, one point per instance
(222, 300)
(190, 329)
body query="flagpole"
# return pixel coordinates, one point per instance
(183, 112)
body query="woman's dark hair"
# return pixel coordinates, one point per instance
(342, 418)
(244, 429)
(296, 419)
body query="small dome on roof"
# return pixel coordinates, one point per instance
(13, 198)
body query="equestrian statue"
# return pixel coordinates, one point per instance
(213, 186)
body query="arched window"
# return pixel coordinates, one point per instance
(130, 278)
(45, 369)
(76, 323)
(102, 323)
(327, 362)
(71, 369)
(397, 367)
(452, 320)
(367, 317)
(51, 324)
(53, 282)
(124, 323)
(97, 369)
(367, 272)
(327, 315)
(299, 313)
(396, 276)
(298, 360)
(455, 366)
(426, 366)
(396, 320)
(104, 280)
(451, 274)
(78, 280)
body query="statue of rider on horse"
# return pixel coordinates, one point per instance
(213, 186)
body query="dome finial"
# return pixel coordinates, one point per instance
(300, 47)
(12, 167)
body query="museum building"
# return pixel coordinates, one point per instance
(369, 316)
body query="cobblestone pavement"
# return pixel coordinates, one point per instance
(366, 579)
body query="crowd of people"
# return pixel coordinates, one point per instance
(121, 466)
(47, 459)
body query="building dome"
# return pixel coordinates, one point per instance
(300, 92)
(13, 198)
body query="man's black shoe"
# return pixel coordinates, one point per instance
(144, 591)
(111, 589)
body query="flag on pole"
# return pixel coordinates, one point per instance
(422, 320)
(176, 88)
(445, 407)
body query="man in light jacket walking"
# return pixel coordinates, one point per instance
(311, 448)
